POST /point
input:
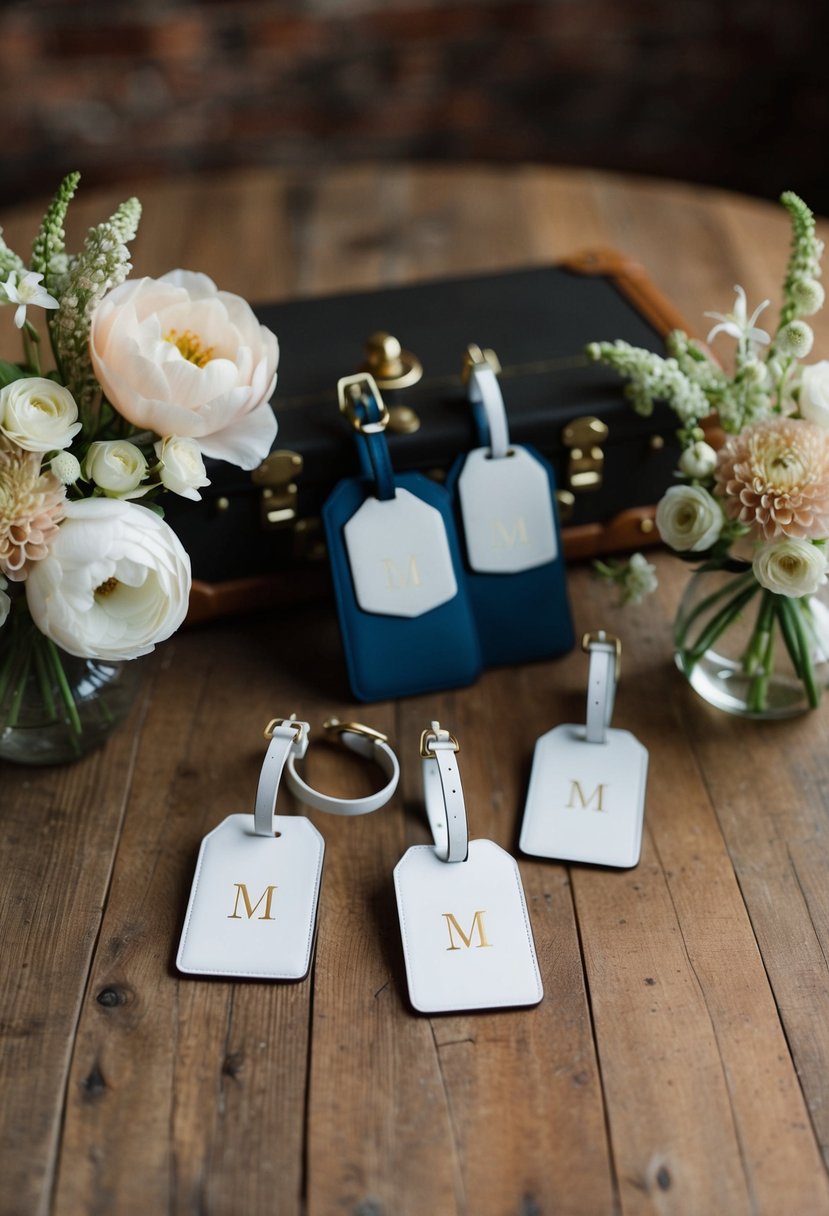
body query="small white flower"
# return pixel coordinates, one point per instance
(5, 602)
(790, 567)
(737, 324)
(809, 296)
(38, 415)
(640, 579)
(181, 466)
(66, 467)
(117, 467)
(796, 338)
(688, 518)
(698, 460)
(25, 292)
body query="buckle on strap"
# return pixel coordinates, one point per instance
(430, 735)
(352, 390)
(354, 728)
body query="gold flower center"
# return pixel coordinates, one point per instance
(190, 347)
(107, 587)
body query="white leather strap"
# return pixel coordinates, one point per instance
(288, 737)
(365, 742)
(443, 794)
(602, 676)
(485, 392)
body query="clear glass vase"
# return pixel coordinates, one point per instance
(750, 651)
(55, 707)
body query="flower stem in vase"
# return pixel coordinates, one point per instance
(716, 626)
(806, 670)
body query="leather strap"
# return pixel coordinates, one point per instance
(443, 794)
(365, 742)
(288, 737)
(374, 451)
(602, 676)
(488, 407)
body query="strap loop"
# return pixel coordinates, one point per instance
(602, 676)
(364, 741)
(484, 394)
(443, 794)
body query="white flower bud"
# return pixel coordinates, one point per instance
(790, 567)
(796, 339)
(117, 467)
(66, 467)
(698, 461)
(808, 296)
(182, 468)
(688, 518)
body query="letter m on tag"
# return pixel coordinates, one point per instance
(250, 909)
(477, 926)
(397, 579)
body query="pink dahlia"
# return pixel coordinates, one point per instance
(774, 477)
(32, 504)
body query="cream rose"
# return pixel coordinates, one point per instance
(181, 467)
(790, 567)
(115, 582)
(117, 466)
(38, 415)
(178, 357)
(814, 393)
(688, 518)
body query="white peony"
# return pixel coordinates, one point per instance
(790, 567)
(115, 582)
(178, 357)
(181, 467)
(698, 460)
(5, 601)
(38, 415)
(814, 393)
(688, 518)
(117, 467)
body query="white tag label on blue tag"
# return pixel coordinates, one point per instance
(507, 512)
(466, 933)
(586, 801)
(399, 556)
(253, 905)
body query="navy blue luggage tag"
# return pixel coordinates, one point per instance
(405, 618)
(505, 497)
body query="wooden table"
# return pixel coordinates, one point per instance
(679, 1062)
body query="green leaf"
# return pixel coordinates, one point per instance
(9, 372)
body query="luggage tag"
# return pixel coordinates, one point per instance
(466, 933)
(506, 501)
(252, 912)
(405, 618)
(586, 798)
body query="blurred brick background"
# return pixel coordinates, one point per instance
(733, 93)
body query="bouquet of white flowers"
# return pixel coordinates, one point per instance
(147, 377)
(756, 511)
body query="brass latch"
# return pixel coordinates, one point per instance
(276, 477)
(584, 437)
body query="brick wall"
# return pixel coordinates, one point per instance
(733, 93)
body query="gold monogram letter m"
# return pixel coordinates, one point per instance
(505, 539)
(577, 797)
(395, 580)
(242, 890)
(477, 923)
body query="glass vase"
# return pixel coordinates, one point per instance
(749, 651)
(56, 707)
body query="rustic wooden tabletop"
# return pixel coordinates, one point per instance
(679, 1060)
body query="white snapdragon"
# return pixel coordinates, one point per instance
(38, 414)
(25, 289)
(790, 567)
(118, 467)
(181, 467)
(698, 460)
(689, 519)
(814, 393)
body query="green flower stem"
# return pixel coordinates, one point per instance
(729, 589)
(63, 685)
(758, 691)
(20, 688)
(807, 672)
(785, 609)
(755, 653)
(717, 625)
(41, 663)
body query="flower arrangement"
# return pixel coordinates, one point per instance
(147, 377)
(757, 509)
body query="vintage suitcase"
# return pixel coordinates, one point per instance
(256, 539)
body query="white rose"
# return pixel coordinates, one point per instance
(182, 468)
(178, 357)
(699, 460)
(814, 393)
(117, 466)
(115, 582)
(790, 567)
(5, 602)
(689, 518)
(38, 414)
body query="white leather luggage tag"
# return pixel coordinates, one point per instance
(252, 912)
(586, 798)
(467, 939)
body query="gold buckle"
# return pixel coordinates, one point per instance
(475, 357)
(354, 728)
(350, 389)
(608, 639)
(274, 722)
(430, 734)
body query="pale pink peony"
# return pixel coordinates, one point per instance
(32, 504)
(774, 478)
